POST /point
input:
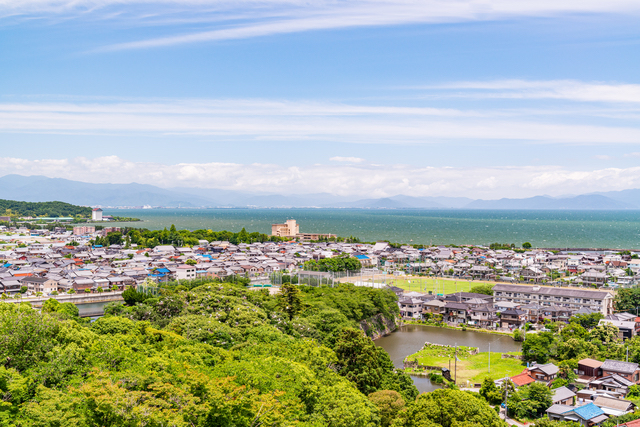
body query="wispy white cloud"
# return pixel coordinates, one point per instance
(267, 120)
(361, 180)
(245, 19)
(347, 159)
(551, 89)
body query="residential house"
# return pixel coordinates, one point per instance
(611, 385)
(185, 272)
(563, 396)
(484, 315)
(586, 415)
(40, 284)
(594, 278)
(543, 373)
(513, 318)
(456, 312)
(614, 407)
(522, 379)
(410, 308)
(627, 370)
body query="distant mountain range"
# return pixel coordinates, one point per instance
(43, 189)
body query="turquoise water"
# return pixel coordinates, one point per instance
(557, 229)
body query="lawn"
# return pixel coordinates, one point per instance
(472, 368)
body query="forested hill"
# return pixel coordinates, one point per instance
(216, 354)
(17, 209)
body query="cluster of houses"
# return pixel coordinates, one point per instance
(65, 258)
(598, 393)
(510, 307)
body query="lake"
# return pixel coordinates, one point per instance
(408, 339)
(557, 229)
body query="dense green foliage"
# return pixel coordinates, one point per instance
(628, 299)
(152, 238)
(530, 401)
(216, 354)
(486, 289)
(14, 208)
(448, 408)
(341, 263)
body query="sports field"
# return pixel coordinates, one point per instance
(420, 284)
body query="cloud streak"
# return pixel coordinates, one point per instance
(271, 120)
(359, 180)
(231, 20)
(570, 90)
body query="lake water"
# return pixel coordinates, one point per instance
(557, 229)
(408, 339)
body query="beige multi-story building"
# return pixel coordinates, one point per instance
(292, 229)
(83, 230)
(288, 229)
(546, 296)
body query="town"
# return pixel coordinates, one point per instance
(506, 290)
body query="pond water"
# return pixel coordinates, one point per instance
(408, 339)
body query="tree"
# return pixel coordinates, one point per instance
(289, 300)
(389, 403)
(23, 289)
(531, 401)
(191, 262)
(358, 360)
(518, 335)
(114, 238)
(132, 296)
(627, 299)
(538, 347)
(634, 392)
(483, 289)
(490, 392)
(447, 408)
(526, 245)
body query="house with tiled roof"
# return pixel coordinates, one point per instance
(614, 407)
(586, 415)
(627, 370)
(522, 379)
(563, 396)
(543, 373)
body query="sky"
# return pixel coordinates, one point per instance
(372, 98)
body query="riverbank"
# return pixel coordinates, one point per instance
(458, 328)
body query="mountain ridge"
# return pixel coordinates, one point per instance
(38, 188)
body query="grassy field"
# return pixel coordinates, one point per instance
(421, 284)
(471, 368)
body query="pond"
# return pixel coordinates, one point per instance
(408, 339)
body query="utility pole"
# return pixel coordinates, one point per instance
(455, 364)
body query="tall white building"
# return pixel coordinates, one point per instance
(96, 214)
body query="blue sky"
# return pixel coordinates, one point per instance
(365, 98)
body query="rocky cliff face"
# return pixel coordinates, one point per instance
(380, 325)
